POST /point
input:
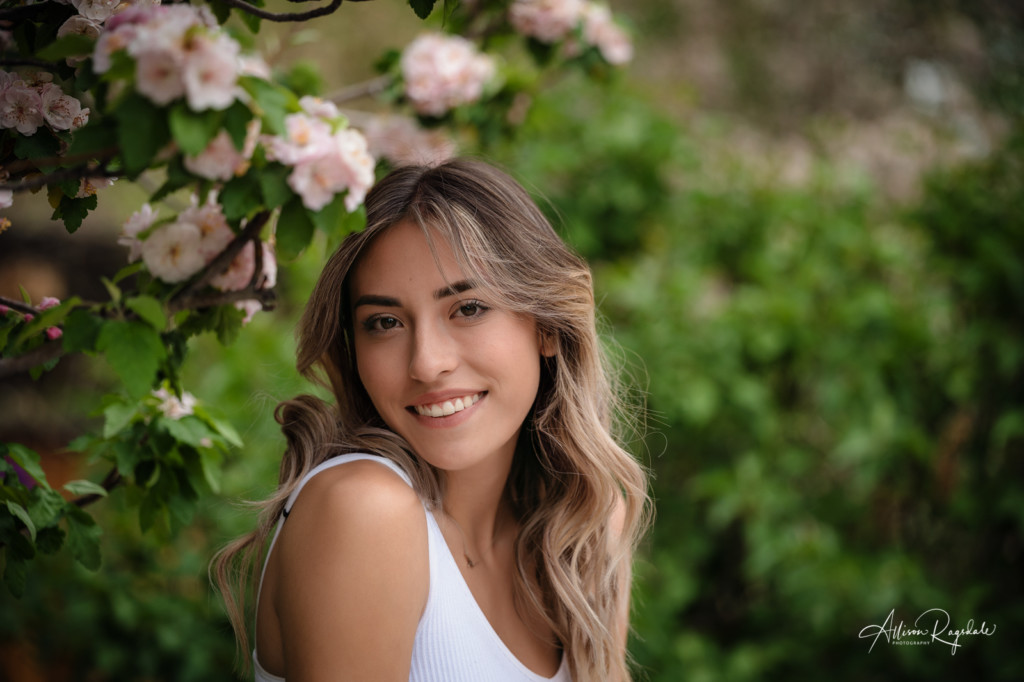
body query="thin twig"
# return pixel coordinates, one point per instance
(37, 181)
(29, 61)
(285, 16)
(364, 89)
(18, 305)
(266, 297)
(220, 263)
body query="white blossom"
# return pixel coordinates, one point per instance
(171, 252)
(546, 20)
(140, 221)
(21, 108)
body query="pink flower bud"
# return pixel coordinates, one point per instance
(4, 309)
(54, 333)
(29, 317)
(48, 302)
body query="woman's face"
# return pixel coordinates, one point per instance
(445, 367)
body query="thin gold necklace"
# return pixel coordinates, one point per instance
(465, 551)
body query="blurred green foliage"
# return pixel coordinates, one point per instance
(836, 410)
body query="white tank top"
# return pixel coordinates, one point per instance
(454, 641)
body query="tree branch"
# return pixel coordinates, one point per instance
(364, 89)
(266, 297)
(28, 61)
(219, 264)
(285, 16)
(18, 305)
(37, 181)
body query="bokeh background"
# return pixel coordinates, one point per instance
(806, 222)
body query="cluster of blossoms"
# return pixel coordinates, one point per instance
(551, 21)
(402, 141)
(179, 50)
(326, 157)
(174, 251)
(221, 160)
(442, 72)
(48, 302)
(171, 405)
(27, 104)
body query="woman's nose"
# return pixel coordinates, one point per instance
(434, 353)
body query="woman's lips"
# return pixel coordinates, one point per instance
(447, 408)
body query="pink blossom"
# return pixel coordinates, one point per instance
(269, 267)
(218, 161)
(89, 186)
(211, 72)
(79, 25)
(158, 75)
(48, 302)
(600, 30)
(442, 72)
(320, 108)
(172, 406)
(305, 137)
(4, 309)
(60, 110)
(239, 273)
(29, 317)
(171, 252)
(97, 10)
(400, 140)
(250, 307)
(139, 221)
(345, 164)
(6, 198)
(254, 65)
(21, 108)
(54, 333)
(215, 234)
(546, 20)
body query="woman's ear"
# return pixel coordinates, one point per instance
(548, 344)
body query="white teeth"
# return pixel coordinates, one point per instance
(448, 407)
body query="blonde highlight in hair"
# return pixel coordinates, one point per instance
(572, 566)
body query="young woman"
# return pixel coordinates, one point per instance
(463, 512)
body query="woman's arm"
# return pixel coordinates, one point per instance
(353, 576)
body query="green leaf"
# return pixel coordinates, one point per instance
(240, 196)
(28, 460)
(40, 145)
(127, 455)
(150, 310)
(22, 514)
(193, 130)
(177, 177)
(227, 431)
(93, 138)
(15, 573)
(187, 430)
(236, 122)
(294, 230)
(141, 132)
(423, 8)
(71, 45)
(73, 211)
(50, 540)
(82, 487)
(134, 350)
(274, 184)
(81, 330)
(45, 506)
(84, 538)
(117, 416)
(149, 509)
(274, 102)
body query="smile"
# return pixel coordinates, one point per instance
(448, 407)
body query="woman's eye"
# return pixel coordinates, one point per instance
(471, 309)
(381, 323)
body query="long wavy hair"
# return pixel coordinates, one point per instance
(569, 470)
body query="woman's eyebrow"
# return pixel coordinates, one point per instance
(391, 302)
(454, 289)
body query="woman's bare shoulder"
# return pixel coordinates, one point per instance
(352, 573)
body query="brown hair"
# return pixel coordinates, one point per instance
(569, 471)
